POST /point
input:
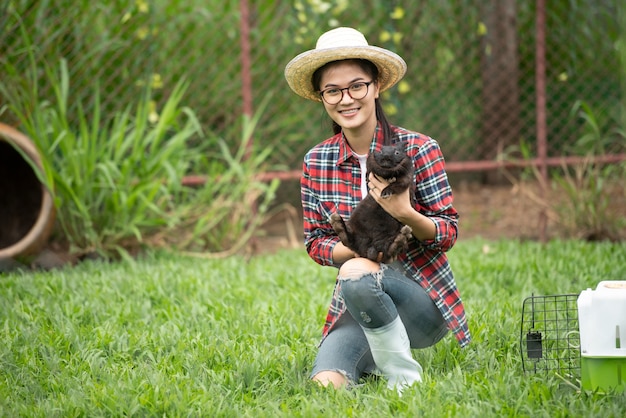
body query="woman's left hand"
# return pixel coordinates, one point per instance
(397, 205)
(400, 207)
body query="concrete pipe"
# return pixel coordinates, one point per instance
(27, 211)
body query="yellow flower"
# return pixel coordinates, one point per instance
(398, 13)
(302, 17)
(390, 109)
(397, 37)
(157, 82)
(126, 17)
(563, 77)
(482, 29)
(142, 32)
(142, 5)
(385, 36)
(153, 116)
(340, 7)
(320, 7)
(403, 87)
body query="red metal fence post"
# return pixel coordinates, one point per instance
(246, 74)
(542, 141)
(246, 83)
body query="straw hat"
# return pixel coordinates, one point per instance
(340, 44)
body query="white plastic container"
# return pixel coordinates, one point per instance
(602, 325)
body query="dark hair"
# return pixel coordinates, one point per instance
(371, 69)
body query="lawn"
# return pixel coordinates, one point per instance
(170, 335)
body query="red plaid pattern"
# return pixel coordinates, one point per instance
(331, 182)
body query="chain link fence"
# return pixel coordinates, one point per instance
(471, 81)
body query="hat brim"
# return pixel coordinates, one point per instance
(299, 71)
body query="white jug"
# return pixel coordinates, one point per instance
(602, 320)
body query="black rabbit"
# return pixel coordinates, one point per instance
(371, 232)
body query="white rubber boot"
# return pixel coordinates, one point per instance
(391, 351)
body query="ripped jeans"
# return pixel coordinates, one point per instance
(372, 301)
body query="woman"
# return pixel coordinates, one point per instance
(378, 311)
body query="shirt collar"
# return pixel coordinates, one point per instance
(345, 152)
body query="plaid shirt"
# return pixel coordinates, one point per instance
(331, 182)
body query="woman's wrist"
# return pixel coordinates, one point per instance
(341, 253)
(422, 226)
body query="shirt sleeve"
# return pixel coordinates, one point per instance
(319, 237)
(434, 195)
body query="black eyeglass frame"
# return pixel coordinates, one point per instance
(346, 89)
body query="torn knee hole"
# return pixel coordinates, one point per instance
(357, 268)
(352, 275)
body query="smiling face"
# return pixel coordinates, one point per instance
(356, 116)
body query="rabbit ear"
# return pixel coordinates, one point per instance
(402, 145)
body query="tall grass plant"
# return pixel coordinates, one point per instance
(113, 180)
(223, 215)
(118, 180)
(584, 199)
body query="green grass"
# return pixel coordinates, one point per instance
(169, 335)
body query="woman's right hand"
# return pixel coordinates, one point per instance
(341, 253)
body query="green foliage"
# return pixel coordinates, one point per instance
(168, 335)
(117, 174)
(602, 132)
(593, 191)
(584, 198)
(113, 180)
(230, 207)
(130, 45)
(593, 188)
(118, 182)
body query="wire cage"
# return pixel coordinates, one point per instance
(549, 337)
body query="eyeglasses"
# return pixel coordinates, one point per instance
(334, 95)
